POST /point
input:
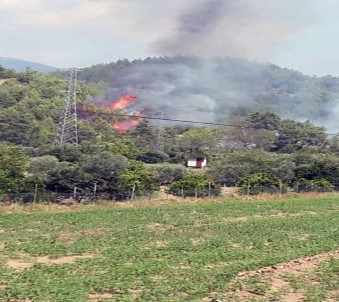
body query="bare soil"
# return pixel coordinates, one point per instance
(27, 262)
(273, 276)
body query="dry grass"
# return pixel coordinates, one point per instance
(170, 200)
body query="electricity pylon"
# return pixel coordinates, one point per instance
(160, 135)
(68, 123)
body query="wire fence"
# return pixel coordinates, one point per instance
(75, 196)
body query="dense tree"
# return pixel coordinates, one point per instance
(287, 152)
(136, 181)
(167, 173)
(42, 165)
(13, 164)
(260, 183)
(104, 170)
(153, 157)
(198, 139)
(233, 166)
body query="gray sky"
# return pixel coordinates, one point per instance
(297, 34)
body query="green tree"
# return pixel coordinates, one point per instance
(135, 181)
(153, 157)
(198, 139)
(13, 165)
(43, 164)
(259, 183)
(104, 170)
(166, 174)
(294, 136)
(124, 147)
(66, 177)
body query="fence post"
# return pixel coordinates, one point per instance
(35, 194)
(133, 192)
(95, 191)
(209, 190)
(248, 188)
(280, 187)
(196, 192)
(75, 193)
(182, 192)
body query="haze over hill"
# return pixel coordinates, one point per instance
(217, 90)
(20, 65)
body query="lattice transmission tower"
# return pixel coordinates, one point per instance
(160, 133)
(68, 123)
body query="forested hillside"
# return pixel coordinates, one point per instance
(217, 90)
(261, 152)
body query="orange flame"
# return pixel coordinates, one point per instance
(123, 102)
(125, 126)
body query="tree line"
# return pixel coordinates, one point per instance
(260, 153)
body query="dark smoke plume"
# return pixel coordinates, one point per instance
(208, 85)
(238, 28)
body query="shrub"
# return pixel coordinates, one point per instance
(195, 185)
(259, 183)
(166, 174)
(318, 185)
(153, 157)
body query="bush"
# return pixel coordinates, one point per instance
(195, 185)
(260, 183)
(315, 185)
(153, 157)
(166, 174)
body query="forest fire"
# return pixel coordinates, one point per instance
(125, 126)
(123, 102)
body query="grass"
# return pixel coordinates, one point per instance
(161, 253)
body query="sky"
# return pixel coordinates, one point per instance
(297, 34)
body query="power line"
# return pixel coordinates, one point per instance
(198, 122)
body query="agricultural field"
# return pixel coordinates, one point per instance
(285, 250)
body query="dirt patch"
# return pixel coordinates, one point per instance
(293, 266)
(155, 245)
(20, 300)
(136, 292)
(157, 278)
(27, 262)
(334, 296)
(158, 227)
(255, 217)
(19, 265)
(96, 297)
(93, 232)
(293, 297)
(69, 236)
(129, 263)
(63, 260)
(245, 286)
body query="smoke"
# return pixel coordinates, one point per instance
(205, 83)
(217, 90)
(251, 29)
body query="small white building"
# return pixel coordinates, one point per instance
(198, 163)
